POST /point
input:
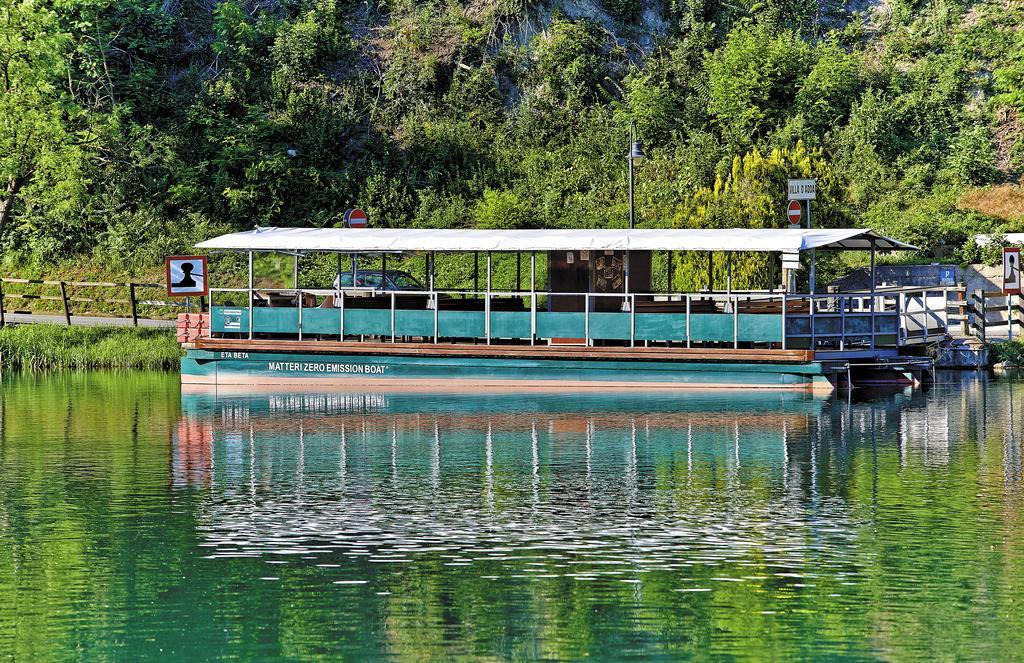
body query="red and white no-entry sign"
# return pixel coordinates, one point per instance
(795, 212)
(355, 218)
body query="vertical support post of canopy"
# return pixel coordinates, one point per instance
(298, 294)
(872, 291)
(810, 280)
(251, 294)
(533, 297)
(814, 257)
(487, 302)
(632, 320)
(337, 280)
(586, 319)
(688, 321)
(735, 322)
(728, 272)
(783, 319)
(355, 268)
(625, 286)
(842, 322)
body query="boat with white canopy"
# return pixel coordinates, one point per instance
(582, 310)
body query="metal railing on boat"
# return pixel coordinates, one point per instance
(840, 322)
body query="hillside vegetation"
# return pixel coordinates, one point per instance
(133, 128)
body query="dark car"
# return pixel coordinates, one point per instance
(391, 279)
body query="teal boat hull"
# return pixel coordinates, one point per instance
(238, 368)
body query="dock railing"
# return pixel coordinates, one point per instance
(839, 322)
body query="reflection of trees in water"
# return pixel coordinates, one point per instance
(800, 506)
(842, 519)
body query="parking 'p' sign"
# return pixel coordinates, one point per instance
(186, 276)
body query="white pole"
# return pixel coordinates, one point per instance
(533, 297)
(872, 296)
(487, 302)
(250, 295)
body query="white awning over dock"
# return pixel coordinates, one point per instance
(419, 240)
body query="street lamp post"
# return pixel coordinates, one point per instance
(636, 154)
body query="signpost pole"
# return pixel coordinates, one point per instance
(1011, 284)
(813, 256)
(799, 190)
(1009, 317)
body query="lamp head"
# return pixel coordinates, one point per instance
(636, 153)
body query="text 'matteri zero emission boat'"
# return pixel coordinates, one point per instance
(590, 319)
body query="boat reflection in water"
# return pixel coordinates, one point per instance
(637, 482)
(731, 518)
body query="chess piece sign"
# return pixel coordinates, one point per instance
(1011, 271)
(186, 276)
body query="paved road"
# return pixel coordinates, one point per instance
(84, 320)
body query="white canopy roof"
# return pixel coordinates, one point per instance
(408, 240)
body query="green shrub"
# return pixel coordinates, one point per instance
(1009, 351)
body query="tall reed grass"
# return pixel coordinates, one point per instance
(45, 347)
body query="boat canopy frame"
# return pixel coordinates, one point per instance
(416, 240)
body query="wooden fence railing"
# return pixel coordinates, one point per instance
(128, 306)
(980, 313)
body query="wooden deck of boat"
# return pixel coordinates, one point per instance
(742, 355)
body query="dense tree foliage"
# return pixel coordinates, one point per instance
(133, 128)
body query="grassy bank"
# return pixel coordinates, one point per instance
(56, 347)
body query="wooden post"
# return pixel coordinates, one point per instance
(983, 315)
(965, 323)
(3, 320)
(64, 299)
(135, 310)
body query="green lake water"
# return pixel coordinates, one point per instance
(140, 523)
